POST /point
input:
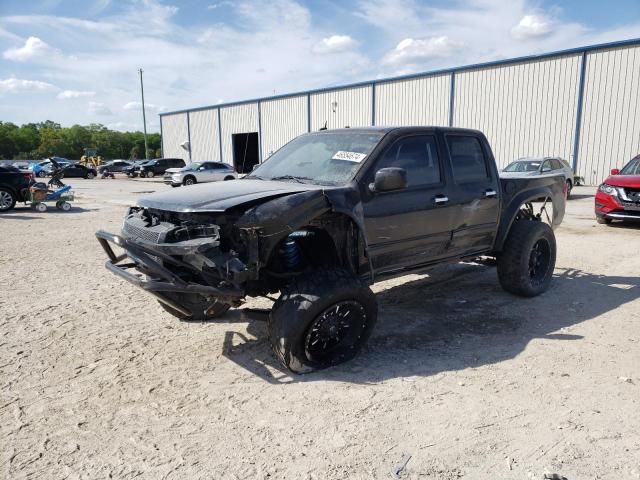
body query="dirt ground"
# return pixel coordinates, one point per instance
(461, 378)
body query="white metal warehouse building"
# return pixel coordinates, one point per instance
(581, 104)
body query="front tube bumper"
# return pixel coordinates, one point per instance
(159, 279)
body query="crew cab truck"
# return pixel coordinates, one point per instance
(325, 217)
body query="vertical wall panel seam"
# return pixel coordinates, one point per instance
(576, 134)
(189, 135)
(373, 104)
(452, 97)
(220, 135)
(259, 133)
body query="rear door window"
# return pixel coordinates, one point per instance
(468, 161)
(555, 164)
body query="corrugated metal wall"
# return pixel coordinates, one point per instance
(353, 108)
(237, 119)
(610, 130)
(174, 132)
(203, 126)
(420, 101)
(282, 120)
(526, 109)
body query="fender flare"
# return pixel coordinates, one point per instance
(510, 212)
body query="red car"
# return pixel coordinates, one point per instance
(618, 198)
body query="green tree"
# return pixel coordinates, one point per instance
(48, 138)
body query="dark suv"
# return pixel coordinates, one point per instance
(14, 186)
(159, 165)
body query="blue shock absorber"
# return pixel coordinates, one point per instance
(291, 253)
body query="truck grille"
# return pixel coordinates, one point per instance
(134, 227)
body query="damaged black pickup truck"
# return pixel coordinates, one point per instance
(326, 216)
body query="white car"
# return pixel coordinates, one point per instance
(199, 172)
(540, 166)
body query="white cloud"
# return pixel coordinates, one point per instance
(67, 94)
(15, 85)
(410, 51)
(98, 108)
(532, 26)
(33, 47)
(257, 47)
(124, 126)
(335, 44)
(224, 3)
(147, 106)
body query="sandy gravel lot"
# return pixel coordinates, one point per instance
(97, 381)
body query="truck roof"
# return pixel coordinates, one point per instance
(401, 129)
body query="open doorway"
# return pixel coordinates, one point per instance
(245, 151)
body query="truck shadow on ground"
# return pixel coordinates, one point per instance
(457, 317)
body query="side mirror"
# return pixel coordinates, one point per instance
(546, 169)
(615, 171)
(201, 168)
(389, 179)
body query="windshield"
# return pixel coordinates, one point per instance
(522, 167)
(631, 168)
(329, 158)
(193, 166)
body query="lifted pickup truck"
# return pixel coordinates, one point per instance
(326, 216)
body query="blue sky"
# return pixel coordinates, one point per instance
(75, 61)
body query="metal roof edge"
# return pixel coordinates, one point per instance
(508, 61)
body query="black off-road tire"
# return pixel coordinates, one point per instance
(569, 188)
(526, 263)
(603, 220)
(317, 302)
(197, 304)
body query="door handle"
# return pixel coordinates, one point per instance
(441, 199)
(490, 193)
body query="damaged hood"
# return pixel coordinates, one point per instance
(221, 196)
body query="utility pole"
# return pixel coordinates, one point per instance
(144, 117)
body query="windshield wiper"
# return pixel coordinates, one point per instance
(292, 177)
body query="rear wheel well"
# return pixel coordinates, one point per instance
(534, 209)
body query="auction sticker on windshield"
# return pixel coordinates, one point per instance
(349, 156)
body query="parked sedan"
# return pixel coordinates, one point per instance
(79, 170)
(14, 186)
(44, 168)
(618, 198)
(114, 166)
(540, 166)
(199, 172)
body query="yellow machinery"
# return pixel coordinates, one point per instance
(91, 157)
(95, 161)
